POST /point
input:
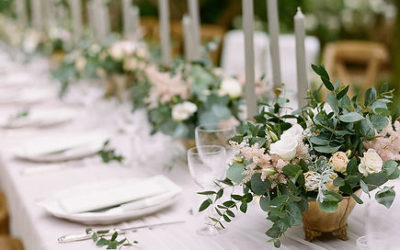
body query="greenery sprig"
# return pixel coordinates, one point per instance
(113, 243)
(108, 155)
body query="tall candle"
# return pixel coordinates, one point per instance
(248, 26)
(22, 16)
(188, 37)
(302, 81)
(127, 27)
(36, 12)
(134, 15)
(195, 15)
(102, 20)
(90, 12)
(76, 14)
(163, 8)
(273, 24)
(49, 10)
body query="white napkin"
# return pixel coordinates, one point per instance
(91, 197)
(39, 118)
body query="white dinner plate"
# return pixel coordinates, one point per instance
(117, 214)
(39, 118)
(59, 148)
(25, 96)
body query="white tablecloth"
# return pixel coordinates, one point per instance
(39, 230)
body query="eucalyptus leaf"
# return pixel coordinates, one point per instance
(351, 117)
(235, 172)
(327, 149)
(385, 196)
(259, 186)
(379, 122)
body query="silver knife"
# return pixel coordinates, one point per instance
(87, 236)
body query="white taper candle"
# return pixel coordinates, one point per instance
(248, 27)
(76, 15)
(21, 9)
(195, 15)
(163, 8)
(302, 80)
(36, 13)
(127, 27)
(273, 24)
(188, 37)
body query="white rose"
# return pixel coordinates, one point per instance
(231, 87)
(339, 161)
(130, 64)
(183, 111)
(370, 163)
(285, 148)
(80, 64)
(116, 51)
(293, 133)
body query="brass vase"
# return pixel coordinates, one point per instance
(188, 143)
(317, 222)
(117, 85)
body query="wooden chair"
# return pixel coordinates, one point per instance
(4, 216)
(10, 243)
(355, 62)
(209, 32)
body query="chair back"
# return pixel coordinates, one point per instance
(355, 62)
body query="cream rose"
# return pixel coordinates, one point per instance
(116, 52)
(231, 87)
(329, 185)
(339, 161)
(370, 163)
(80, 63)
(311, 180)
(183, 111)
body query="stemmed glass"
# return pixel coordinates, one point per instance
(381, 232)
(212, 134)
(206, 164)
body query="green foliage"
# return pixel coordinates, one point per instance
(99, 238)
(108, 155)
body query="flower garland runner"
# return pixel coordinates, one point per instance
(189, 95)
(121, 62)
(327, 156)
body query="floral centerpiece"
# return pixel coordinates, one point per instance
(310, 167)
(188, 95)
(120, 62)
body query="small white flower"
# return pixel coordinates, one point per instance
(130, 64)
(370, 163)
(80, 63)
(183, 111)
(231, 87)
(116, 51)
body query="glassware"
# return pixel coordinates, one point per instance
(212, 134)
(206, 164)
(381, 231)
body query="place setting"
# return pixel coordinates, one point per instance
(193, 124)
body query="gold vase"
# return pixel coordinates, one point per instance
(188, 143)
(317, 222)
(117, 85)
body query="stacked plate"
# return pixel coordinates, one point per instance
(113, 201)
(38, 118)
(56, 148)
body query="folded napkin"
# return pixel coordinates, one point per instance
(93, 197)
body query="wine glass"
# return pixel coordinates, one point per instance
(206, 164)
(381, 232)
(212, 134)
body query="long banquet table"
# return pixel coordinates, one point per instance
(39, 230)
